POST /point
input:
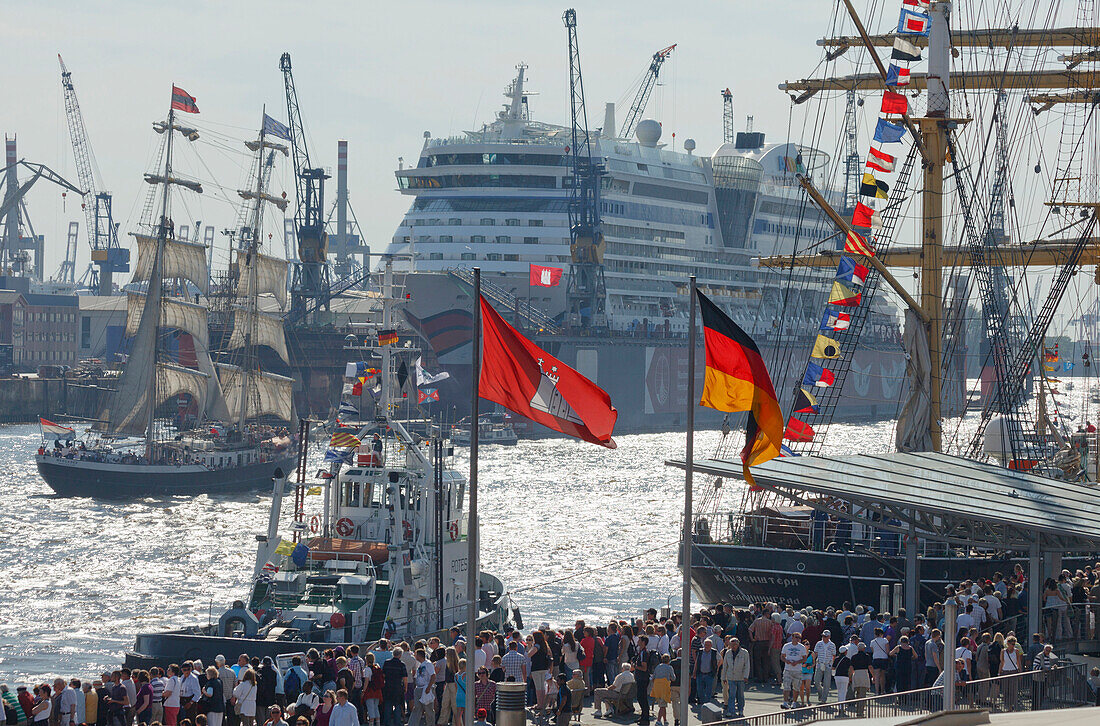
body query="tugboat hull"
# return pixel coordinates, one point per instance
(75, 478)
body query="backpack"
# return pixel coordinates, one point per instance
(599, 652)
(292, 684)
(581, 655)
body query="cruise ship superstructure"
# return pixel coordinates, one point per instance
(497, 198)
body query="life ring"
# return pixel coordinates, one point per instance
(314, 524)
(408, 528)
(453, 528)
(344, 526)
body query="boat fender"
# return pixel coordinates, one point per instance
(314, 524)
(344, 527)
(454, 531)
(337, 620)
(517, 618)
(408, 529)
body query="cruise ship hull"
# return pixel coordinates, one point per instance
(77, 478)
(645, 374)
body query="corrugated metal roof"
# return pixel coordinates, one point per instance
(953, 489)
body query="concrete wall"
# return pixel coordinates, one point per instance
(24, 399)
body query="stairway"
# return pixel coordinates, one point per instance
(509, 305)
(378, 611)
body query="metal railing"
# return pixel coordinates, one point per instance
(1061, 687)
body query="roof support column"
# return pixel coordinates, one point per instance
(1034, 592)
(950, 642)
(912, 572)
(1053, 564)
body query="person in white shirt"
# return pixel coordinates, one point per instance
(993, 605)
(189, 689)
(67, 705)
(171, 696)
(795, 624)
(423, 679)
(344, 713)
(792, 654)
(965, 619)
(824, 655)
(963, 653)
(614, 692)
(880, 660)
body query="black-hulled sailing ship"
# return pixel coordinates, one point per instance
(969, 234)
(176, 422)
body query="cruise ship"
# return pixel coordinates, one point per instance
(497, 198)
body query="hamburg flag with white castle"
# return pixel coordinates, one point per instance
(525, 379)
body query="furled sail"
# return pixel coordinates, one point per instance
(268, 394)
(178, 314)
(266, 330)
(180, 259)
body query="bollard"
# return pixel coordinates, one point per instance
(899, 598)
(884, 599)
(511, 704)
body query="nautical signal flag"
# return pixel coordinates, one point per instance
(736, 379)
(805, 402)
(825, 347)
(896, 76)
(888, 133)
(183, 101)
(346, 409)
(55, 432)
(785, 450)
(387, 337)
(895, 103)
(871, 187)
(427, 394)
(913, 23)
(856, 244)
(798, 430)
(527, 380)
(864, 217)
(545, 276)
(904, 50)
(833, 320)
(343, 440)
(919, 4)
(843, 295)
(880, 160)
(850, 271)
(817, 376)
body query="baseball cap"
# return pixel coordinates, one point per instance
(826, 632)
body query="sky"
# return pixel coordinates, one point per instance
(377, 74)
(381, 74)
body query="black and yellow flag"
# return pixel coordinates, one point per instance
(871, 187)
(737, 380)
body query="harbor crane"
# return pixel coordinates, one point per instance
(311, 286)
(14, 247)
(645, 90)
(107, 255)
(586, 293)
(727, 117)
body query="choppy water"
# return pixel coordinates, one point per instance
(79, 577)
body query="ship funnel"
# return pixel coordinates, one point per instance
(608, 121)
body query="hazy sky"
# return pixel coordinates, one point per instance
(376, 73)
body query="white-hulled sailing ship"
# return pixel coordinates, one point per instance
(178, 423)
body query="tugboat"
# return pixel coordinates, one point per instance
(383, 553)
(143, 444)
(492, 428)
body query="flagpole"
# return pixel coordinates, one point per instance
(472, 568)
(685, 548)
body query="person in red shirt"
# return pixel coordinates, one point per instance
(588, 642)
(26, 700)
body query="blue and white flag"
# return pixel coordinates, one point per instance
(336, 455)
(785, 450)
(1067, 366)
(913, 23)
(273, 127)
(346, 409)
(888, 133)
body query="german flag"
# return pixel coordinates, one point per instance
(737, 380)
(387, 337)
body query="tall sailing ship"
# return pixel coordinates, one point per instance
(177, 422)
(951, 140)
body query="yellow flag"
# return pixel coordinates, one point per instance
(286, 547)
(825, 347)
(313, 491)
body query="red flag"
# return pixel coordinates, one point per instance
(862, 216)
(798, 430)
(525, 379)
(545, 276)
(357, 388)
(183, 101)
(894, 103)
(855, 244)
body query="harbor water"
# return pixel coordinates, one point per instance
(572, 529)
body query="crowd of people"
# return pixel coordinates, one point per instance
(621, 668)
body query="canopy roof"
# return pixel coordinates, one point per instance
(945, 498)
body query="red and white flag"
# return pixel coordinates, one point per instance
(527, 380)
(545, 276)
(55, 432)
(880, 160)
(427, 394)
(183, 101)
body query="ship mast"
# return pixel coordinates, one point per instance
(155, 285)
(251, 286)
